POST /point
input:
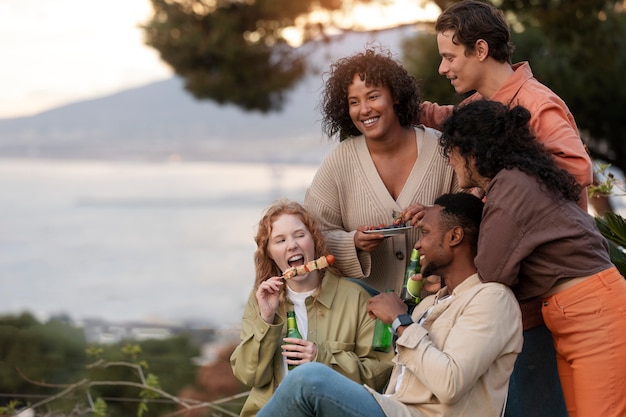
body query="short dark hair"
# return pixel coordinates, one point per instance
(461, 209)
(472, 20)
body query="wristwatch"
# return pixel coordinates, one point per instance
(401, 320)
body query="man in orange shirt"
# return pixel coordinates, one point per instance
(473, 41)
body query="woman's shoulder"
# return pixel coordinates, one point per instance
(511, 187)
(429, 132)
(514, 178)
(347, 149)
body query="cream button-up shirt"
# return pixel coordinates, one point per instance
(459, 360)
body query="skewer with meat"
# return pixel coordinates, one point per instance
(320, 263)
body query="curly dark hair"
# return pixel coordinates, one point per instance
(499, 137)
(376, 67)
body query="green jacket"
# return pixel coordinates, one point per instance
(337, 322)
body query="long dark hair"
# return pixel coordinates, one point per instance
(499, 137)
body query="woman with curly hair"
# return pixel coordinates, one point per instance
(331, 312)
(536, 239)
(385, 165)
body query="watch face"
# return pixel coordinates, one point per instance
(405, 319)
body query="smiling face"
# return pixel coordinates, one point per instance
(291, 244)
(371, 109)
(435, 256)
(463, 71)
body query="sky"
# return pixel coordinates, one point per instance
(56, 52)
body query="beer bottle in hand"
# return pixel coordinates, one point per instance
(411, 289)
(383, 335)
(292, 331)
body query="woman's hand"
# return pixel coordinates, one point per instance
(267, 296)
(414, 213)
(367, 242)
(298, 351)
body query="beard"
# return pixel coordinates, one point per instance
(434, 268)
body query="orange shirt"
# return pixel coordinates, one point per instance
(551, 122)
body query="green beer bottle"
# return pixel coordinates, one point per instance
(411, 289)
(292, 331)
(383, 335)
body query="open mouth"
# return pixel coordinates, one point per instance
(370, 121)
(295, 260)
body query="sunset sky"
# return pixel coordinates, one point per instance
(56, 52)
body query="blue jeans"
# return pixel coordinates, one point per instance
(314, 389)
(535, 388)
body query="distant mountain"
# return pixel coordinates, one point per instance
(161, 121)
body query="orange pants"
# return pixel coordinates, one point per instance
(588, 325)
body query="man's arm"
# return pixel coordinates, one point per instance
(433, 115)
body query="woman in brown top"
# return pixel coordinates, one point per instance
(535, 238)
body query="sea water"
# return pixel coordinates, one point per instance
(126, 241)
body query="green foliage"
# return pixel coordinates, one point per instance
(51, 361)
(100, 408)
(10, 408)
(170, 365)
(608, 185)
(237, 52)
(613, 228)
(233, 52)
(152, 381)
(578, 49)
(53, 352)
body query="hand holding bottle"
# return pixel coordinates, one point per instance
(385, 307)
(295, 349)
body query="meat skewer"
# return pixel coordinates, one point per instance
(320, 263)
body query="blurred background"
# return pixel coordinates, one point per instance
(140, 141)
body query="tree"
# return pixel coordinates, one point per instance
(232, 51)
(52, 352)
(48, 363)
(237, 51)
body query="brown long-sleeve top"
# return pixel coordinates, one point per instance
(529, 237)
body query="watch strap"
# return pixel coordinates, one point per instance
(401, 320)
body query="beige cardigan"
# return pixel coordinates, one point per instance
(347, 192)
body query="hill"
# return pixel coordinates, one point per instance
(161, 121)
